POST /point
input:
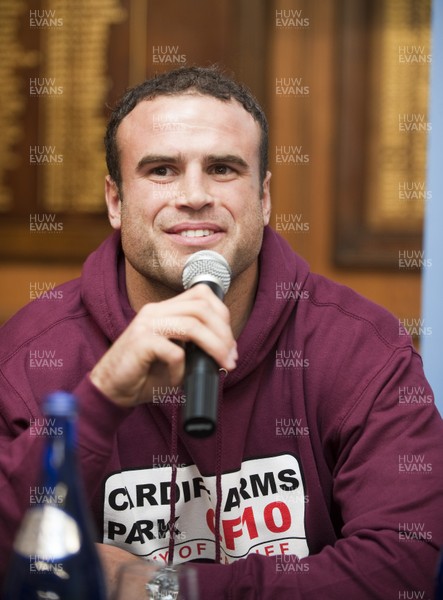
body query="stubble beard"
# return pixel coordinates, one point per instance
(162, 268)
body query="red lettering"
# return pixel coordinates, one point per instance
(210, 520)
(284, 513)
(201, 547)
(233, 528)
(230, 533)
(284, 547)
(269, 550)
(249, 521)
(182, 553)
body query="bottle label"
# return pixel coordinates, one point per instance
(49, 533)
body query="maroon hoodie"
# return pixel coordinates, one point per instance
(324, 479)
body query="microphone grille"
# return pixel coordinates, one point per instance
(204, 265)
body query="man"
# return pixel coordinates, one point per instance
(321, 481)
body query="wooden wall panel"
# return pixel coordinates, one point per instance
(59, 44)
(309, 189)
(272, 45)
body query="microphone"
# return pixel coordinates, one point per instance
(202, 372)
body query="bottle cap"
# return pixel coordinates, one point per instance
(60, 404)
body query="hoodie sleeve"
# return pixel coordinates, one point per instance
(388, 489)
(21, 449)
(95, 443)
(20, 464)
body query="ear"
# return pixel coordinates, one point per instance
(266, 199)
(113, 202)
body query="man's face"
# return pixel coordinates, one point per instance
(190, 181)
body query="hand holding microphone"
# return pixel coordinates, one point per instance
(202, 371)
(144, 357)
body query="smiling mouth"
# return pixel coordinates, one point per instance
(196, 233)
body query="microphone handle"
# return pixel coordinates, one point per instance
(201, 392)
(201, 386)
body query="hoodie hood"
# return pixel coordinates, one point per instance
(103, 289)
(282, 277)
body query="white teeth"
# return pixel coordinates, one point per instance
(196, 232)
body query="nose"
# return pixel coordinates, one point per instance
(195, 192)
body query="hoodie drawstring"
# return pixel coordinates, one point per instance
(174, 454)
(218, 480)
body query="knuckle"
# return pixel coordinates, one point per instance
(204, 305)
(200, 291)
(177, 355)
(146, 312)
(225, 312)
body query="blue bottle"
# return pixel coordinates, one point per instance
(54, 554)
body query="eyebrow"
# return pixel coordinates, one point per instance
(149, 159)
(228, 158)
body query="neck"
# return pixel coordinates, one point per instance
(239, 299)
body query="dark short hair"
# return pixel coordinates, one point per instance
(210, 81)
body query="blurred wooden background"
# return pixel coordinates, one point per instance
(336, 78)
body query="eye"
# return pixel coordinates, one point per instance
(161, 171)
(221, 170)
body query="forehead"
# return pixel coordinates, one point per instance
(188, 119)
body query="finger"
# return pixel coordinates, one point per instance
(168, 354)
(215, 337)
(168, 317)
(199, 302)
(222, 348)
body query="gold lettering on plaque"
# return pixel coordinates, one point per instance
(72, 111)
(399, 116)
(13, 102)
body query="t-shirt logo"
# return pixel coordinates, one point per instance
(262, 511)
